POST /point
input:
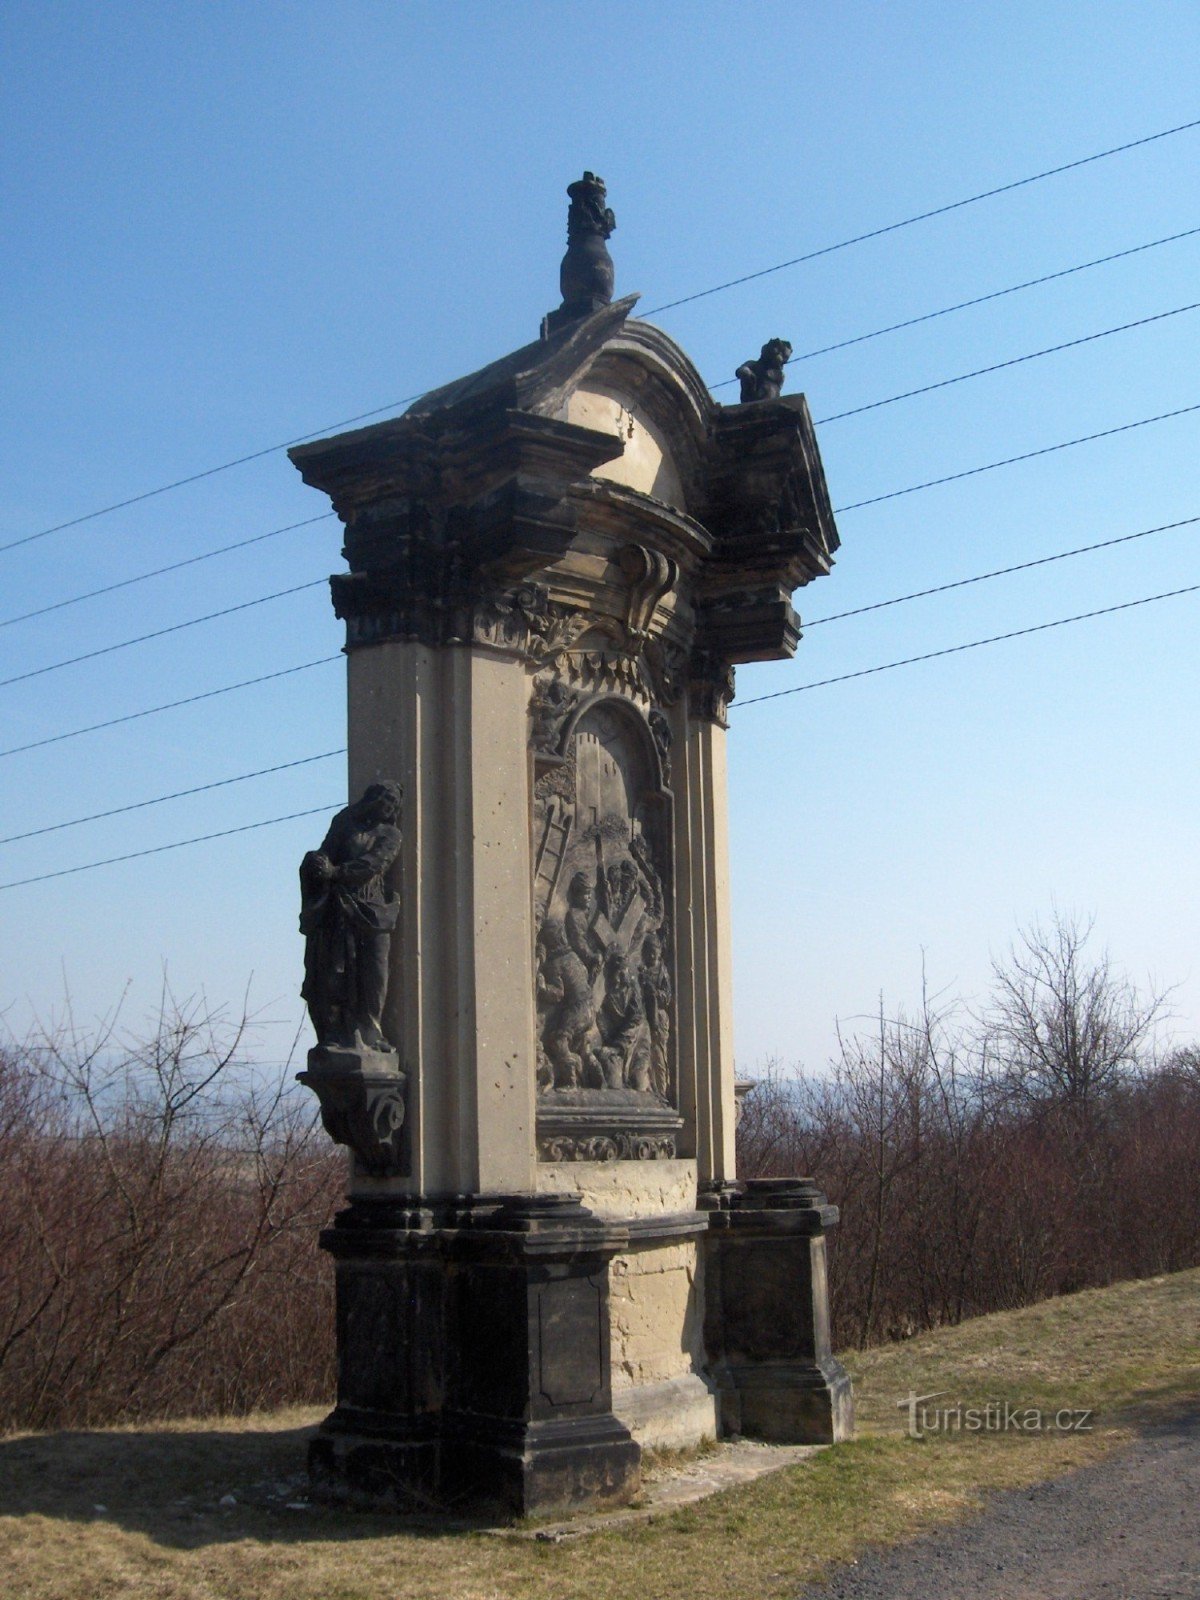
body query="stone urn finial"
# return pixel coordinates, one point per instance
(586, 275)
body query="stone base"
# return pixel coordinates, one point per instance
(676, 1414)
(473, 1357)
(767, 1314)
(529, 1469)
(788, 1402)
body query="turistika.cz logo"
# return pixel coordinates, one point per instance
(995, 1416)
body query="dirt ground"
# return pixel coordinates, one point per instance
(1125, 1529)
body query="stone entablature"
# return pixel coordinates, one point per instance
(484, 487)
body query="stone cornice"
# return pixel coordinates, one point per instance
(483, 487)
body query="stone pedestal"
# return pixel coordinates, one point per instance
(473, 1357)
(554, 565)
(767, 1313)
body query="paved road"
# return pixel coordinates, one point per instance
(1126, 1529)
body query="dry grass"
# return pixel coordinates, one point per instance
(163, 1534)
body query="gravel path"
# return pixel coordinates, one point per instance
(1126, 1529)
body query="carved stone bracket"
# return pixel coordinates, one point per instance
(362, 1105)
(651, 575)
(710, 688)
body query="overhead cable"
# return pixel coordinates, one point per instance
(839, 511)
(170, 705)
(159, 633)
(177, 844)
(839, 616)
(1013, 361)
(158, 572)
(924, 216)
(982, 299)
(1008, 461)
(812, 255)
(806, 355)
(179, 794)
(845, 677)
(975, 644)
(209, 472)
(999, 572)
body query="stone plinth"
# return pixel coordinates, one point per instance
(767, 1314)
(473, 1356)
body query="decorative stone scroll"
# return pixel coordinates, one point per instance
(602, 863)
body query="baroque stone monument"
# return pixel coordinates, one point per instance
(517, 933)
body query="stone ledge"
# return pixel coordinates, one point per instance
(666, 1488)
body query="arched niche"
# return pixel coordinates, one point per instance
(605, 982)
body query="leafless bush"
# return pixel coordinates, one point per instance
(985, 1162)
(159, 1205)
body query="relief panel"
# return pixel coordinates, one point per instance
(605, 934)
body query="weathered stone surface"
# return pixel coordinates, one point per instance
(767, 1314)
(473, 1356)
(555, 565)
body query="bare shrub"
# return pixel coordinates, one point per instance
(159, 1205)
(985, 1162)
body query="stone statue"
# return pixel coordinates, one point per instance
(763, 379)
(347, 917)
(586, 277)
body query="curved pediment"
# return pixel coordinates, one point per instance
(643, 389)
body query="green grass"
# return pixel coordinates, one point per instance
(1121, 1352)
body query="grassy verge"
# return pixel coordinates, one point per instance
(136, 1511)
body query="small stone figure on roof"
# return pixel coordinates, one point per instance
(586, 277)
(588, 212)
(763, 379)
(347, 917)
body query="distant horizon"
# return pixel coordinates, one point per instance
(230, 228)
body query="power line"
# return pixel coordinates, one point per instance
(209, 472)
(179, 794)
(975, 644)
(158, 572)
(999, 366)
(807, 355)
(893, 494)
(875, 233)
(845, 677)
(982, 299)
(990, 466)
(159, 633)
(1000, 572)
(171, 705)
(178, 844)
(924, 216)
(840, 616)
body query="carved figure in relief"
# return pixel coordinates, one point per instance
(624, 1048)
(763, 379)
(347, 917)
(603, 991)
(656, 1001)
(550, 706)
(569, 958)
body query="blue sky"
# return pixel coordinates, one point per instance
(231, 226)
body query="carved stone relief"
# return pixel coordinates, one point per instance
(602, 870)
